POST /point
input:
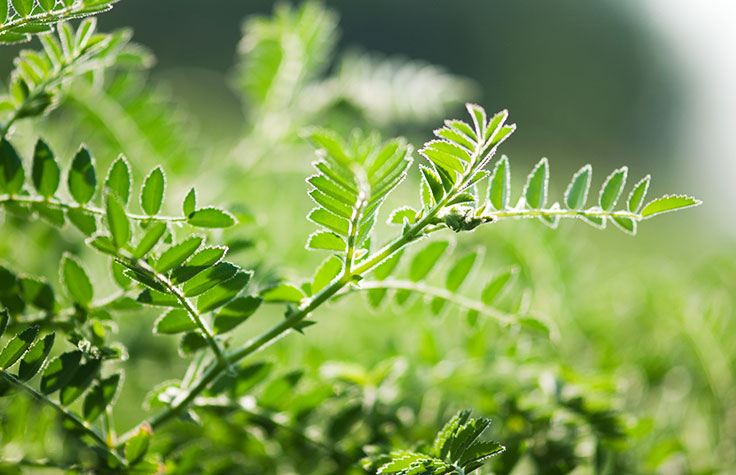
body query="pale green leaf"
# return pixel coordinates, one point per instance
(499, 185)
(326, 273)
(535, 189)
(668, 203)
(152, 192)
(425, 260)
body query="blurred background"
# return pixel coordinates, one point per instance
(642, 327)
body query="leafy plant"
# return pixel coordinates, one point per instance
(162, 262)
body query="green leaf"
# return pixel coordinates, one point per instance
(153, 234)
(222, 293)
(82, 220)
(204, 258)
(82, 179)
(4, 320)
(191, 342)
(45, 172)
(137, 446)
(3, 11)
(17, 347)
(535, 189)
(326, 240)
(152, 192)
(117, 221)
(190, 202)
(330, 221)
(12, 175)
(499, 187)
(460, 270)
(434, 183)
(211, 218)
(76, 281)
(176, 320)
(38, 293)
(178, 253)
(283, 293)
(326, 273)
(496, 286)
(23, 7)
(425, 260)
(100, 397)
(668, 203)
(625, 224)
(83, 377)
(158, 299)
(209, 278)
(576, 193)
(118, 179)
(235, 313)
(59, 371)
(612, 188)
(36, 356)
(47, 5)
(637, 195)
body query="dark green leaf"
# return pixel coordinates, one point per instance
(46, 172)
(327, 271)
(204, 258)
(235, 313)
(100, 396)
(23, 7)
(4, 320)
(82, 180)
(17, 347)
(83, 377)
(12, 175)
(76, 281)
(192, 342)
(38, 293)
(59, 371)
(34, 359)
(211, 218)
(152, 192)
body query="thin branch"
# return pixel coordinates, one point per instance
(565, 213)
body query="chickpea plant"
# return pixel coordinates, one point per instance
(65, 358)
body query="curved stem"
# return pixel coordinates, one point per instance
(55, 204)
(83, 426)
(430, 291)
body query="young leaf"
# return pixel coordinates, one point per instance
(576, 193)
(497, 284)
(612, 188)
(326, 240)
(224, 292)
(499, 185)
(12, 175)
(327, 271)
(79, 382)
(76, 281)
(137, 446)
(334, 223)
(426, 259)
(178, 253)
(36, 356)
(152, 192)
(434, 183)
(283, 293)
(46, 173)
(235, 313)
(118, 179)
(100, 396)
(82, 179)
(535, 189)
(211, 218)
(17, 347)
(209, 278)
(176, 320)
(117, 221)
(460, 270)
(637, 195)
(190, 202)
(59, 371)
(668, 203)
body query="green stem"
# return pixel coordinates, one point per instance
(55, 204)
(430, 291)
(565, 213)
(83, 426)
(45, 17)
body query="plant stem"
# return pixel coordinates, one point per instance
(31, 200)
(83, 426)
(565, 213)
(428, 290)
